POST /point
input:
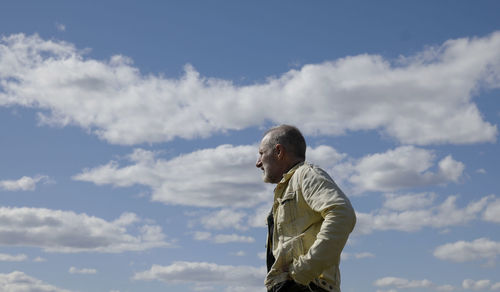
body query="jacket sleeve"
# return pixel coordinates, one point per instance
(323, 196)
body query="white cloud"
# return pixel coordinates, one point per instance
(469, 284)
(225, 218)
(240, 253)
(60, 26)
(495, 286)
(421, 101)
(25, 183)
(445, 288)
(13, 258)
(481, 171)
(444, 215)
(408, 201)
(465, 251)
(247, 278)
(401, 283)
(227, 238)
(82, 271)
(39, 260)
(492, 212)
(65, 231)
(222, 238)
(403, 167)
(224, 176)
(394, 283)
(20, 282)
(361, 255)
(259, 218)
(324, 155)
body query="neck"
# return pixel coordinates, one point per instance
(293, 163)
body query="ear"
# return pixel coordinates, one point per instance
(280, 151)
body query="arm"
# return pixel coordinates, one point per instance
(324, 197)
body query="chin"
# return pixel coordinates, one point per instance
(270, 180)
(267, 179)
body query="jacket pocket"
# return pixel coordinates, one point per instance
(287, 214)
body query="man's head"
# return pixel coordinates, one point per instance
(280, 149)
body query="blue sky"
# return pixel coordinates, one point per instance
(129, 134)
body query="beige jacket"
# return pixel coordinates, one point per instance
(312, 221)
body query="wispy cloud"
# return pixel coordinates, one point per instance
(395, 283)
(402, 283)
(360, 255)
(13, 258)
(222, 238)
(25, 183)
(476, 285)
(60, 26)
(82, 271)
(481, 171)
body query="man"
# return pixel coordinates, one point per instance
(310, 220)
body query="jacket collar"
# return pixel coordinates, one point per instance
(288, 175)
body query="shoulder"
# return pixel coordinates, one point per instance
(309, 171)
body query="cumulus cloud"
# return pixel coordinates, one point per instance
(324, 155)
(82, 271)
(403, 167)
(25, 183)
(466, 251)
(225, 218)
(408, 201)
(235, 278)
(440, 216)
(424, 99)
(13, 258)
(19, 281)
(492, 212)
(259, 218)
(224, 176)
(68, 232)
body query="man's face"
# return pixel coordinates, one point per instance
(269, 163)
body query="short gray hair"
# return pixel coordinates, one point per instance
(290, 137)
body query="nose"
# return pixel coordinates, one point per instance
(258, 164)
